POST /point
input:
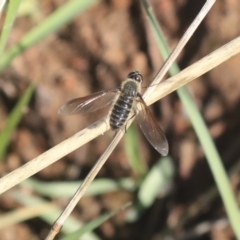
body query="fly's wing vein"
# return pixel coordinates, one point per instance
(151, 129)
(88, 103)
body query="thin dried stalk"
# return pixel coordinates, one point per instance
(94, 130)
(82, 189)
(181, 44)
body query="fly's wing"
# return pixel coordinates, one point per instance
(88, 103)
(151, 129)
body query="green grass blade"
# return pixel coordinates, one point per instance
(12, 9)
(23, 214)
(72, 224)
(157, 182)
(67, 189)
(14, 119)
(54, 22)
(131, 143)
(94, 224)
(30, 201)
(202, 132)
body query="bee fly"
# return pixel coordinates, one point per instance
(125, 106)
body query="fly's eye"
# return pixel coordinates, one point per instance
(137, 76)
(131, 75)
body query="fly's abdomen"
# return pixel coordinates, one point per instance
(120, 111)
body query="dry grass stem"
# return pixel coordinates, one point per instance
(94, 130)
(181, 44)
(82, 189)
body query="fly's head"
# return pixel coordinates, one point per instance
(136, 76)
(132, 85)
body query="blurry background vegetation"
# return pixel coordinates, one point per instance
(75, 48)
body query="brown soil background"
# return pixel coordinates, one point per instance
(96, 51)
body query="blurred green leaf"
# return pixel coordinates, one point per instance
(23, 214)
(157, 182)
(131, 143)
(54, 22)
(13, 119)
(13, 6)
(67, 189)
(72, 224)
(93, 224)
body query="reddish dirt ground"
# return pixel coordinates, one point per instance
(96, 51)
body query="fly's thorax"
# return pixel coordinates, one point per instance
(130, 87)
